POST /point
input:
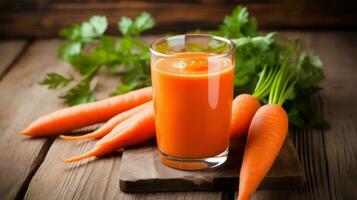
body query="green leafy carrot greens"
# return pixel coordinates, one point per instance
(88, 50)
(258, 57)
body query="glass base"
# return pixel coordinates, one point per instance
(194, 163)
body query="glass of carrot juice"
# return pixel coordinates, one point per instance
(192, 78)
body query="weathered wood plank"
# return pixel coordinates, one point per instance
(310, 143)
(94, 179)
(98, 179)
(9, 51)
(22, 100)
(45, 18)
(142, 171)
(339, 51)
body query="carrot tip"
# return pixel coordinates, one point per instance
(24, 132)
(73, 159)
(80, 157)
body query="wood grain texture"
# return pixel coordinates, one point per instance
(9, 51)
(310, 143)
(96, 179)
(22, 100)
(93, 179)
(173, 196)
(142, 171)
(339, 104)
(45, 18)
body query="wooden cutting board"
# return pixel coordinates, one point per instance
(142, 171)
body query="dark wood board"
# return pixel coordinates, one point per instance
(142, 171)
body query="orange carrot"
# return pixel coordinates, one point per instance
(245, 105)
(134, 130)
(108, 126)
(267, 131)
(141, 127)
(87, 114)
(266, 136)
(243, 109)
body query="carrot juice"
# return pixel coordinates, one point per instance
(192, 93)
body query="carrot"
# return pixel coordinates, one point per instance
(266, 136)
(108, 126)
(134, 130)
(87, 114)
(268, 129)
(245, 105)
(243, 109)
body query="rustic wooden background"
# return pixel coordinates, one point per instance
(43, 18)
(31, 168)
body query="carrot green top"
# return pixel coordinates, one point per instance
(265, 82)
(286, 77)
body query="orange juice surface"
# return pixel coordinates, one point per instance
(192, 100)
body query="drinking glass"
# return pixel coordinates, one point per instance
(192, 78)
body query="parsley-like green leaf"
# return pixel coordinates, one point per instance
(87, 31)
(88, 49)
(131, 81)
(84, 63)
(67, 50)
(302, 114)
(79, 94)
(143, 22)
(107, 43)
(310, 72)
(72, 33)
(54, 80)
(95, 27)
(99, 24)
(123, 88)
(125, 25)
(252, 53)
(239, 24)
(79, 35)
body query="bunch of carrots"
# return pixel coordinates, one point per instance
(130, 120)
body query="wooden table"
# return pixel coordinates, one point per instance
(31, 169)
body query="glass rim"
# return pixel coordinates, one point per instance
(161, 39)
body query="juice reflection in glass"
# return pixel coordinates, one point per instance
(192, 79)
